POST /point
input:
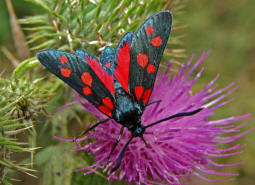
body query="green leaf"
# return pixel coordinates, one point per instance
(24, 66)
(3, 102)
(47, 174)
(5, 182)
(58, 162)
(43, 156)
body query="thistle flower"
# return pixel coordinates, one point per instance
(178, 148)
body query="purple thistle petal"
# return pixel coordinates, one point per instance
(225, 155)
(178, 148)
(211, 180)
(228, 120)
(65, 106)
(223, 165)
(198, 62)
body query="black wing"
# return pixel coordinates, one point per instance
(147, 49)
(81, 75)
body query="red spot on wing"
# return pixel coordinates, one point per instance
(142, 59)
(146, 96)
(105, 110)
(149, 30)
(86, 79)
(108, 102)
(87, 91)
(65, 72)
(139, 92)
(156, 41)
(151, 68)
(102, 75)
(121, 72)
(63, 59)
(108, 64)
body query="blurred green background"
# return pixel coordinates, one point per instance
(227, 29)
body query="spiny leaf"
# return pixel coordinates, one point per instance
(44, 6)
(40, 28)
(46, 36)
(37, 19)
(13, 126)
(86, 21)
(43, 45)
(7, 107)
(8, 122)
(24, 66)
(15, 132)
(13, 165)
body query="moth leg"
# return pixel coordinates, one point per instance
(121, 155)
(91, 128)
(158, 101)
(146, 144)
(114, 146)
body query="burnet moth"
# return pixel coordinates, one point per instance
(120, 83)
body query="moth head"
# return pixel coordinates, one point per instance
(138, 131)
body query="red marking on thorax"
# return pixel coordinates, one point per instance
(87, 91)
(108, 102)
(65, 72)
(139, 92)
(146, 96)
(149, 30)
(122, 69)
(101, 74)
(108, 64)
(151, 68)
(105, 110)
(142, 59)
(156, 41)
(63, 59)
(86, 79)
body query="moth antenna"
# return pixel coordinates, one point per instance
(121, 156)
(146, 144)
(91, 128)
(182, 114)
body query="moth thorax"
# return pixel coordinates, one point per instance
(132, 121)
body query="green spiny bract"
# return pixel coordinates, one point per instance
(94, 24)
(30, 99)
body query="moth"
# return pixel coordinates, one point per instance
(120, 82)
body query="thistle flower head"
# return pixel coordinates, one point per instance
(177, 148)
